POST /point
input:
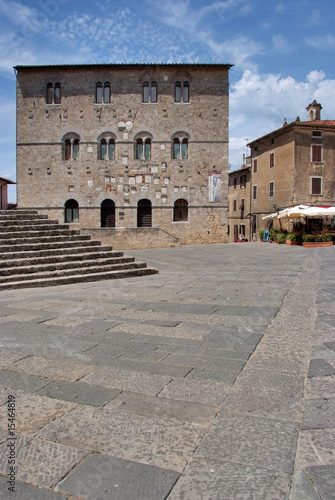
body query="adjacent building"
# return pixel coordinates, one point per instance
(239, 203)
(292, 165)
(4, 192)
(136, 153)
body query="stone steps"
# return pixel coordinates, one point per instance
(36, 252)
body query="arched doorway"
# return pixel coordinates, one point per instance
(108, 213)
(71, 211)
(144, 213)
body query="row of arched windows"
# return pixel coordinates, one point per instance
(106, 148)
(144, 212)
(103, 92)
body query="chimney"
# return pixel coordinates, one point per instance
(314, 111)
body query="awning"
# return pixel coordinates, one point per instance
(302, 211)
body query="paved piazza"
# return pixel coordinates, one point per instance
(212, 380)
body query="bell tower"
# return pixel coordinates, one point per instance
(314, 111)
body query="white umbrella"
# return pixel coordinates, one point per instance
(293, 212)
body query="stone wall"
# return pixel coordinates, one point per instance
(46, 180)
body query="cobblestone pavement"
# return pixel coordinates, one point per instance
(214, 379)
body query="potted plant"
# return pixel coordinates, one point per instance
(317, 240)
(293, 239)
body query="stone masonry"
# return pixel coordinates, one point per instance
(86, 135)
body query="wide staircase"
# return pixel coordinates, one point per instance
(36, 252)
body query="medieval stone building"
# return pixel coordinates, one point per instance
(292, 165)
(136, 153)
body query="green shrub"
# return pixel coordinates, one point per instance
(327, 237)
(261, 234)
(307, 238)
(281, 238)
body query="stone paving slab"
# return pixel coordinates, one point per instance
(128, 380)
(58, 460)
(320, 368)
(215, 375)
(102, 477)
(208, 479)
(18, 381)
(323, 477)
(78, 392)
(316, 447)
(54, 369)
(320, 387)
(160, 369)
(197, 390)
(263, 442)
(234, 365)
(322, 352)
(264, 402)
(319, 413)
(25, 491)
(156, 441)
(165, 407)
(34, 412)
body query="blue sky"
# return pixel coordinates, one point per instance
(282, 50)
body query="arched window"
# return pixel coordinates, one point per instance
(182, 92)
(186, 92)
(108, 213)
(71, 148)
(180, 148)
(71, 211)
(107, 149)
(107, 93)
(57, 95)
(103, 93)
(143, 148)
(144, 213)
(53, 95)
(98, 93)
(180, 211)
(149, 93)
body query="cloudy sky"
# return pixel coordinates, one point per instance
(282, 50)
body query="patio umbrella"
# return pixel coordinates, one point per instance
(293, 212)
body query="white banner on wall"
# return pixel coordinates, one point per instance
(214, 186)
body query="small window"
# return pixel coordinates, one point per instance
(316, 153)
(316, 133)
(235, 182)
(143, 149)
(107, 93)
(316, 185)
(54, 95)
(103, 93)
(234, 205)
(182, 92)
(243, 181)
(180, 148)
(149, 92)
(71, 149)
(180, 211)
(255, 166)
(57, 94)
(272, 160)
(271, 189)
(254, 192)
(98, 94)
(107, 149)
(242, 204)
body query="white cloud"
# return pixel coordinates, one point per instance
(322, 42)
(259, 104)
